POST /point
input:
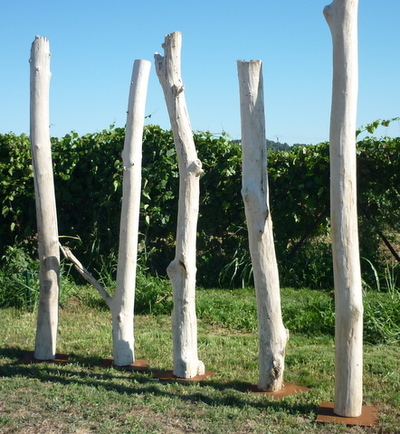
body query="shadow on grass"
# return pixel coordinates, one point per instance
(211, 391)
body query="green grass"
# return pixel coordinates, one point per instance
(83, 397)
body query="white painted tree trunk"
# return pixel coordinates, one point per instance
(46, 214)
(272, 334)
(122, 303)
(182, 270)
(341, 16)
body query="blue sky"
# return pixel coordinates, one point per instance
(94, 45)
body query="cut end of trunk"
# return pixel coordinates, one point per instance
(327, 13)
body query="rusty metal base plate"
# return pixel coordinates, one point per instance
(288, 389)
(29, 359)
(137, 366)
(369, 416)
(169, 376)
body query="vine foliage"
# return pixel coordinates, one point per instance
(88, 177)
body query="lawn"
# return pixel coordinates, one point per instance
(82, 396)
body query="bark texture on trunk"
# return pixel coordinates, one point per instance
(182, 270)
(46, 214)
(341, 16)
(272, 334)
(122, 303)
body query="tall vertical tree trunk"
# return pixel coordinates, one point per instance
(272, 334)
(122, 303)
(49, 253)
(341, 16)
(182, 270)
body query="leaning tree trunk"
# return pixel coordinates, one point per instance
(122, 303)
(182, 270)
(341, 16)
(49, 253)
(272, 333)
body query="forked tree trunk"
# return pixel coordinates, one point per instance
(182, 270)
(272, 334)
(122, 303)
(46, 214)
(341, 16)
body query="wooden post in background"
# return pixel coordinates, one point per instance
(341, 16)
(46, 214)
(182, 270)
(271, 331)
(122, 303)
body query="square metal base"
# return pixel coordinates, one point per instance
(169, 376)
(29, 359)
(368, 417)
(137, 366)
(288, 389)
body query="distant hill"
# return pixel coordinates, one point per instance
(275, 146)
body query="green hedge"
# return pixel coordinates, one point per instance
(88, 176)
